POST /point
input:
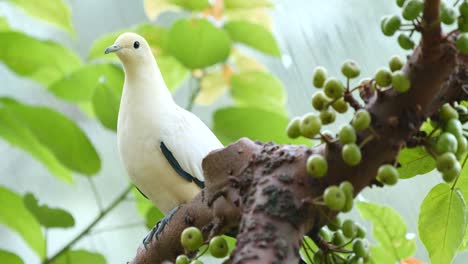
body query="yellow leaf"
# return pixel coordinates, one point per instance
(212, 86)
(259, 16)
(245, 63)
(153, 8)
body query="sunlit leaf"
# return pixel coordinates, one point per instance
(106, 103)
(46, 216)
(442, 222)
(153, 215)
(233, 4)
(53, 130)
(197, 43)
(80, 257)
(259, 16)
(15, 216)
(43, 61)
(9, 258)
(142, 203)
(4, 24)
(79, 86)
(246, 63)
(155, 35)
(55, 12)
(389, 229)
(173, 72)
(253, 35)
(259, 89)
(380, 255)
(212, 86)
(195, 5)
(414, 161)
(153, 8)
(233, 123)
(462, 185)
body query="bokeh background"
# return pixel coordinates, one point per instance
(309, 32)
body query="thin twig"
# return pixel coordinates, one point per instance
(97, 197)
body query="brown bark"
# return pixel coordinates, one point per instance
(264, 190)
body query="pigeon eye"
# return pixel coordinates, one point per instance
(136, 44)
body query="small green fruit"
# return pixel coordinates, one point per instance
(383, 77)
(182, 259)
(338, 238)
(361, 248)
(218, 247)
(348, 189)
(447, 112)
(454, 127)
(196, 261)
(333, 88)
(412, 9)
(462, 146)
(340, 105)
(350, 69)
(347, 134)
(319, 257)
(319, 76)
(334, 224)
(383, 21)
(448, 15)
(446, 142)
(395, 64)
(405, 42)
(446, 162)
(310, 125)
(334, 198)
(361, 119)
(462, 43)
(400, 82)
(463, 24)
(349, 228)
(356, 260)
(294, 128)
(452, 174)
(400, 3)
(320, 101)
(463, 9)
(351, 154)
(317, 165)
(327, 116)
(361, 232)
(387, 174)
(191, 238)
(392, 24)
(325, 234)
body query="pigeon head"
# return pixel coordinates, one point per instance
(131, 48)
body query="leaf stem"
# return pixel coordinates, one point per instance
(83, 233)
(97, 197)
(194, 93)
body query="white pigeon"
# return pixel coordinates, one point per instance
(161, 144)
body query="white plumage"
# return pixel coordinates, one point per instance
(148, 116)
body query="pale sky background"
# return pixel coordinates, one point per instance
(310, 33)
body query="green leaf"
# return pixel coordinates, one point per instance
(389, 229)
(80, 257)
(253, 35)
(173, 72)
(194, 5)
(9, 258)
(15, 216)
(55, 12)
(153, 8)
(245, 63)
(80, 85)
(212, 86)
(233, 123)
(233, 4)
(442, 222)
(259, 16)
(53, 130)
(381, 255)
(153, 215)
(462, 185)
(259, 89)
(197, 43)
(155, 35)
(415, 161)
(4, 24)
(106, 103)
(43, 61)
(48, 217)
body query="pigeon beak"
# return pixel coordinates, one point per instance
(113, 48)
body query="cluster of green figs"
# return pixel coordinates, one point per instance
(192, 239)
(411, 11)
(349, 245)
